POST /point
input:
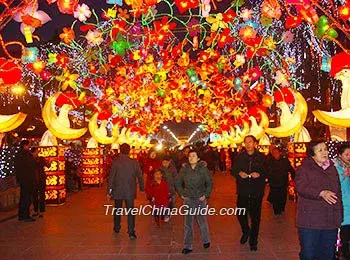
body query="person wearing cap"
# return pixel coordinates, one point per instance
(25, 168)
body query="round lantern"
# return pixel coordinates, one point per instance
(10, 72)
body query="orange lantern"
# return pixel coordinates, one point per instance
(267, 100)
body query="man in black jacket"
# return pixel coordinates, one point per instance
(278, 175)
(122, 186)
(249, 170)
(25, 166)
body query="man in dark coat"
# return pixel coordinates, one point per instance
(25, 166)
(278, 175)
(249, 170)
(122, 186)
(40, 184)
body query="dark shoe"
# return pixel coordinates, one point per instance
(253, 247)
(206, 245)
(132, 236)
(186, 251)
(41, 215)
(35, 214)
(244, 238)
(29, 220)
(116, 230)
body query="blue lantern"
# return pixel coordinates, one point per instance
(326, 63)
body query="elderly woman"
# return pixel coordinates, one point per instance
(319, 209)
(342, 163)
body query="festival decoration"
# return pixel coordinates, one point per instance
(206, 65)
(60, 126)
(55, 178)
(11, 122)
(290, 122)
(340, 69)
(93, 166)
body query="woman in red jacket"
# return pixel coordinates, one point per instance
(319, 209)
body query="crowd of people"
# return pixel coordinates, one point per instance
(322, 186)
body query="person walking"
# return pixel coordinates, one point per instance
(25, 167)
(278, 172)
(250, 173)
(319, 208)
(122, 186)
(194, 184)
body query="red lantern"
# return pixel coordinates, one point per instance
(292, 22)
(10, 72)
(67, 6)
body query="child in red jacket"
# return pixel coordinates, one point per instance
(161, 195)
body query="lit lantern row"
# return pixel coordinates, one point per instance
(55, 177)
(93, 166)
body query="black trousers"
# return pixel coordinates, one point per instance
(129, 204)
(39, 198)
(345, 239)
(278, 198)
(25, 200)
(253, 209)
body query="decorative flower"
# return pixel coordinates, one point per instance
(68, 80)
(52, 58)
(216, 22)
(193, 27)
(225, 38)
(288, 36)
(229, 16)
(62, 60)
(31, 54)
(281, 79)
(164, 25)
(31, 17)
(270, 43)
(240, 60)
(68, 35)
(94, 38)
(82, 13)
(246, 33)
(123, 14)
(271, 9)
(246, 14)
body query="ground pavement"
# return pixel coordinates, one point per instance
(79, 229)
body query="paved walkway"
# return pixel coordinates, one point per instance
(80, 230)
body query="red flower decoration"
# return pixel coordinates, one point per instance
(62, 60)
(225, 38)
(229, 16)
(184, 5)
